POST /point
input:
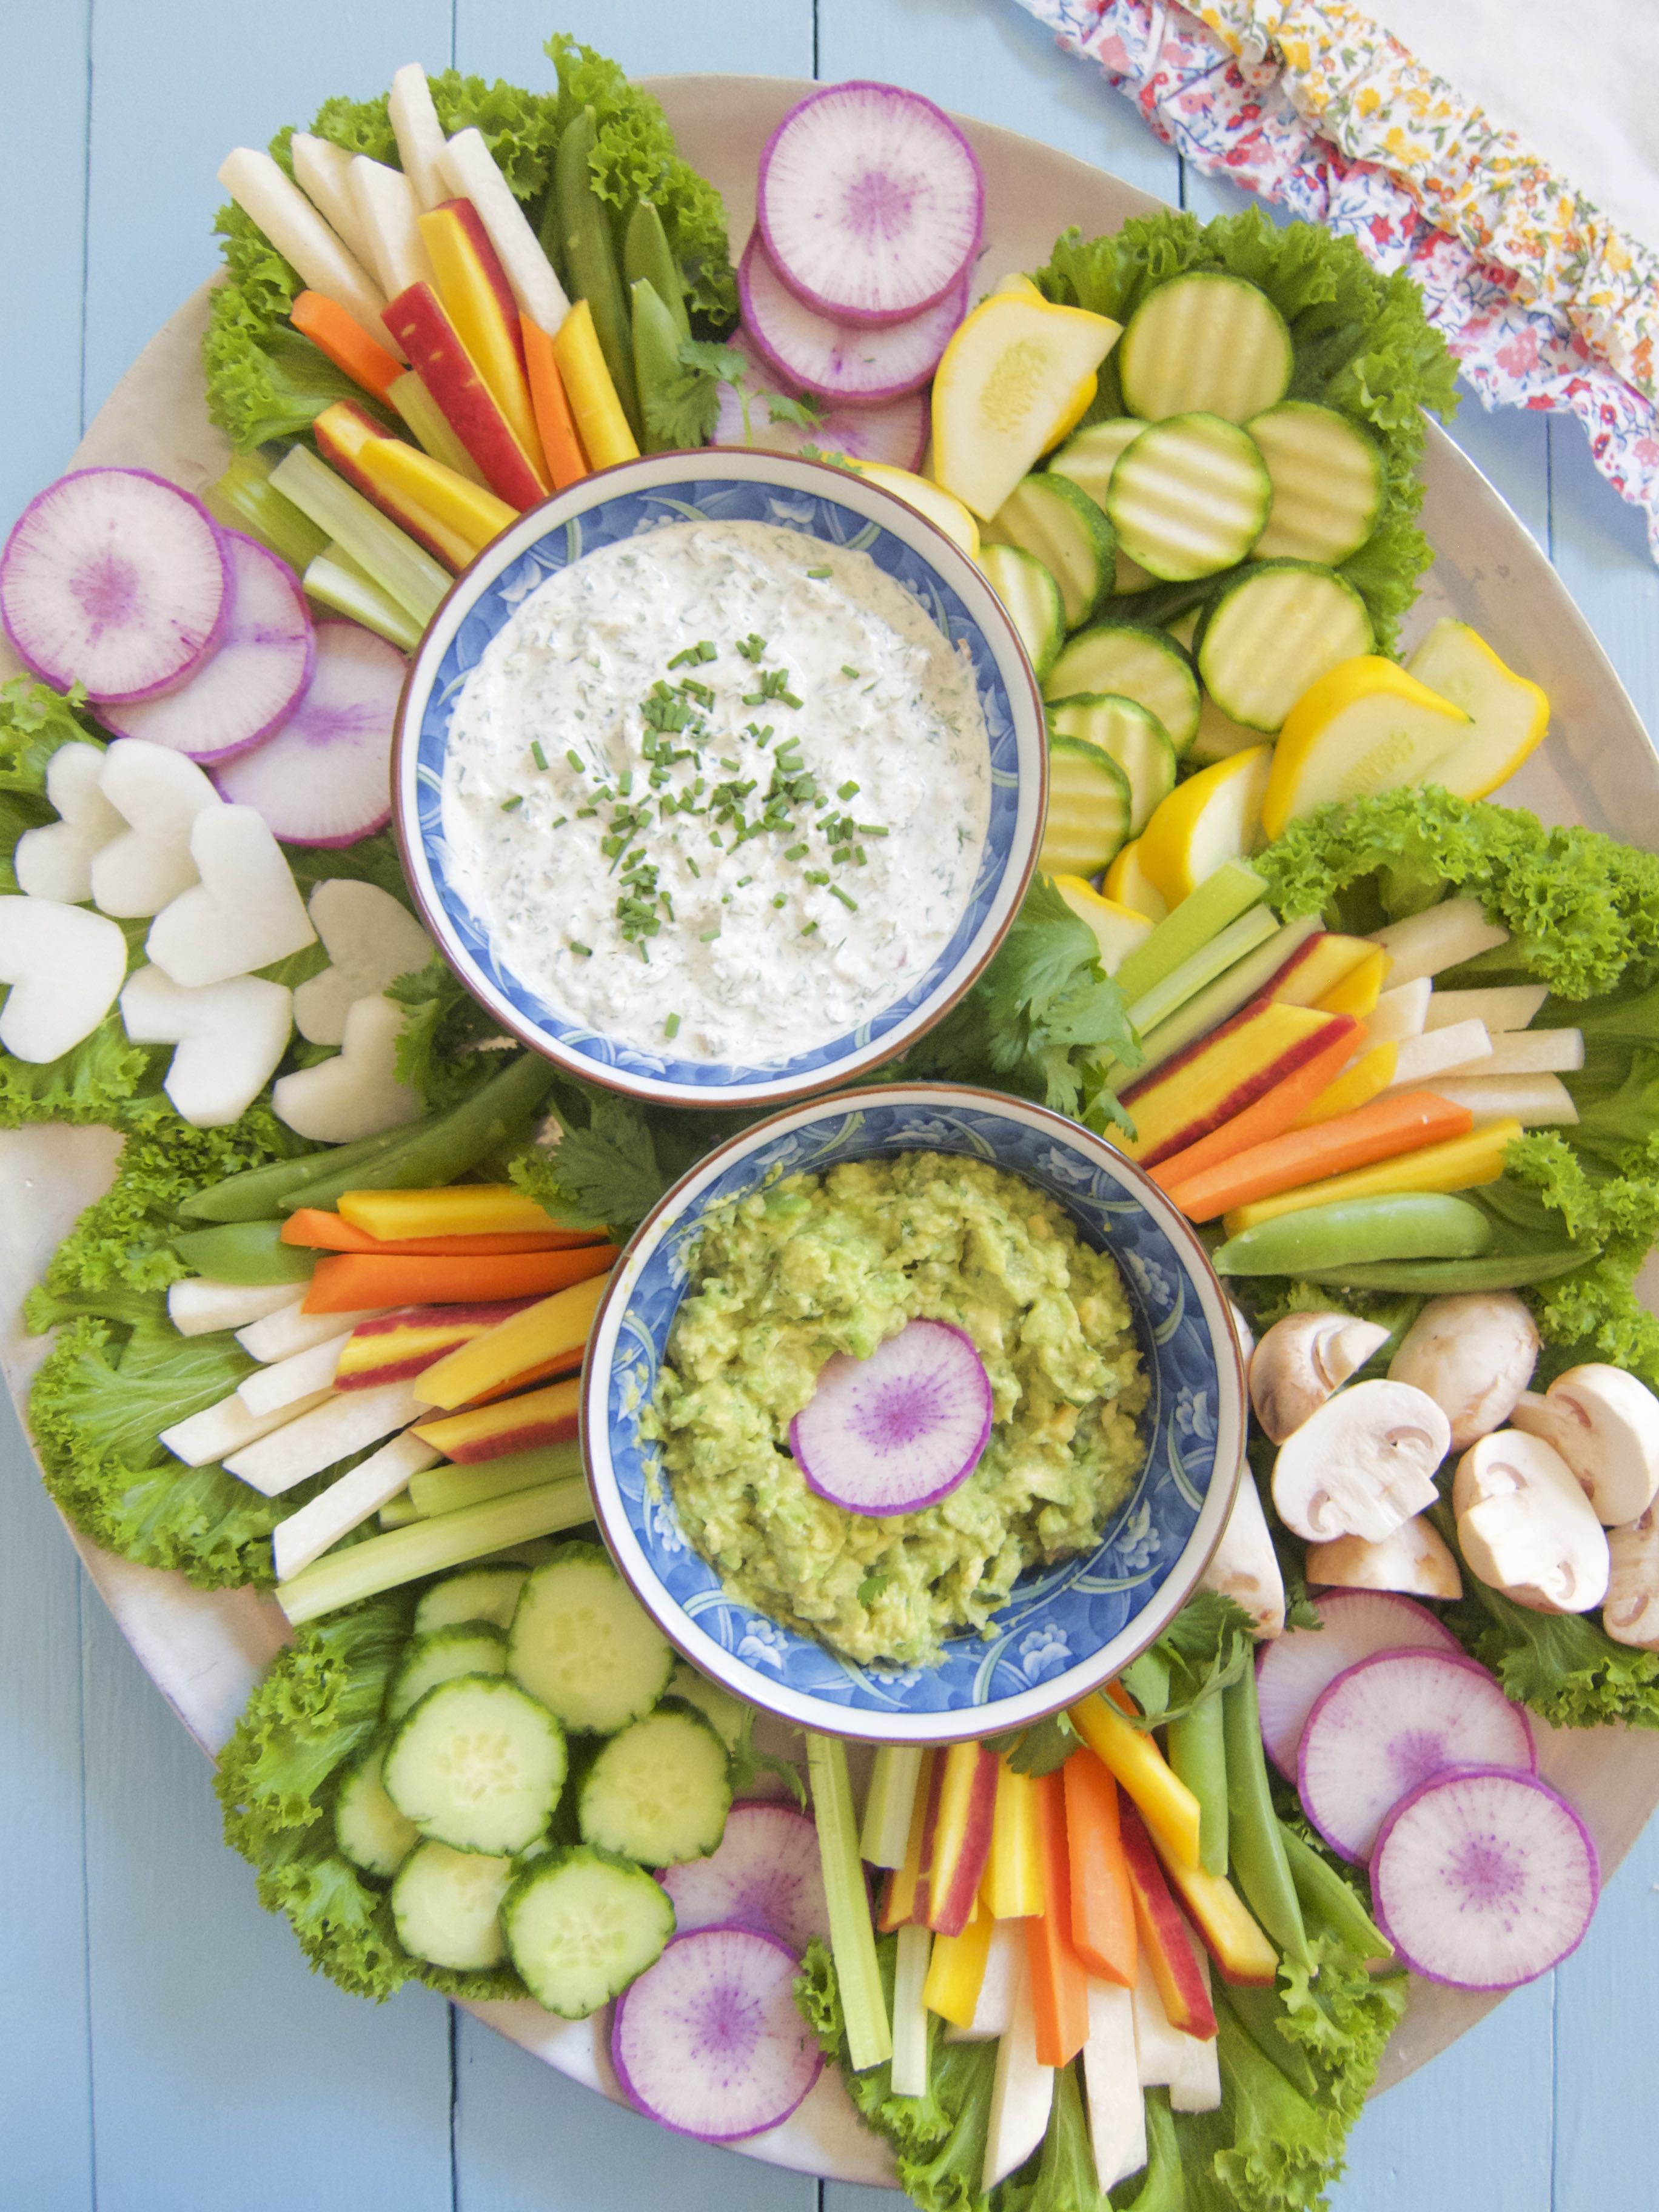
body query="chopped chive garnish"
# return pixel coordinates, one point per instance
(820, 571)
(851, 904)
(796, 853)
(670, 1028)
(537, 754)
(731, 765)
(587, 950)
(703, 650)
(858, 856)
(752, 646)
(559, 822)
(809, 929)
(574, 758)
(780, 900)
(847, 790)
(846, 670)
(870, 829)
(708, 936)
(509, 805)
(694, 869)
(625, 781)
(790, 700)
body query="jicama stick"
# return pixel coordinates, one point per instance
(298, 234)
(347, 1503)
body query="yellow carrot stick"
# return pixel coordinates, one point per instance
(1460, 1164)
(1013, 1876)
(472, 512)
(1166, 1804)
(605, 436)
(955, 1970)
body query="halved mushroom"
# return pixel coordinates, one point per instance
(1416, 1558)
(1631, 1615)
(1474, 1354)
(1245, 1566)
(1363, 1465)
(1301, 1360)
(1526, 1527)
(1605, 1425)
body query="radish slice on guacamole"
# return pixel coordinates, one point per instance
(900, 1430)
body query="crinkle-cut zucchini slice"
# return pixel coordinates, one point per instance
(1139, 663)
(1053, 518)
(1328, 483)
(1274, 631)
(1134, 738)
(1089, 804)
(1206, 341)
(1031, 599)
(1189, 497)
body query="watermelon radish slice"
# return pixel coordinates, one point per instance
(854, 361)
(1393, 1722)
(870, 201)
(895, 432)
(115, 578)
(326, 777)
(766, 1873)
(1483, 1879)
(252, 680)
(900, 1430)
(1292, 1669)
(709, 2041)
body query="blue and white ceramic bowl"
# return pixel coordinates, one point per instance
(1066, 1629)
(823, 502)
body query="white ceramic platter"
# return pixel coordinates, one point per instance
(204, 1650)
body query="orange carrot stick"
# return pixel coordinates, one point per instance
(353, 1282)
(1275, 1112)
(1102, 1902)
(332, 1232)
(1060, 1981)
(1381, 1131)
(346, 343)
(566, 1363)
(567, 463)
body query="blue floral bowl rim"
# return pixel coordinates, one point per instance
(824, 1715)
(788, 472)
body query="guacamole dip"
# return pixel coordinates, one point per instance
(839, 1262)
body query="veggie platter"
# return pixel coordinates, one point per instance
(1380, 991)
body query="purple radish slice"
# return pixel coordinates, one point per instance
(252, 680)
(900, 1430)
(870, 201)
(835, 359)
(767, 1873)
(115, 578)
(895, 432)
(1483, 1879)
(1292, 1669)
(326, 777)
(1391, 1722)
(710, 2039)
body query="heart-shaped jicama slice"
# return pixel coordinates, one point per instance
(244, 914)
(900, 1430)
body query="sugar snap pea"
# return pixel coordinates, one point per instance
(1326, 1897)
(1258, 1862)
(1495, 1271)
(245, 1252)
(646, 254)
(255, 1194)
(583, 245)
(656, 357)
(1260, 2014)
(1198, 1754)
(1357, 1231)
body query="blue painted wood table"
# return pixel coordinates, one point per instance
(162, 2046)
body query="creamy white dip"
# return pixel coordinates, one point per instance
(807, 673)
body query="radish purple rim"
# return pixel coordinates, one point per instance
(815, 1480)
(1445, 1641)
(881, 395)
(1068, 1628)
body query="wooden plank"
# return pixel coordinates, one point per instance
(1607, 2020)
(769, 37)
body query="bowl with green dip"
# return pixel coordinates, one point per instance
(1116, 1445)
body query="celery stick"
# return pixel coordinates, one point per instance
(394, 561)
(447, 1487)
(399, 1512)
(1232, 890)
(335, 580)
(1201, 967)
(382, 1563)
(852, 1938)
(887, 1808)
(915, 1946)
(243, 498)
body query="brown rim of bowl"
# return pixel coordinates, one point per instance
(1174, 1223)
(436, 923)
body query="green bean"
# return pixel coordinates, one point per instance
(646, 254)
(1327, 1897)
(256, 1193)
(1198, 1753)
(1260, 2014)
(656, 356)
(1258, 1860)
(581, 230)
(1496, 1270)
(1401, 1226)
(246, 1252)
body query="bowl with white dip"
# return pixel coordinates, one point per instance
(720, 777)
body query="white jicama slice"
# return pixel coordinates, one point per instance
(244, 914)
(114, 579)
(1390, 1722)
(898, 1431)
(1503, 1007)
(1022, 2092)
(371, 939)
(1158, 2053)
(343, 1422)
(419, 134)
(356, 1094)
(199, 1305)
(1537, 1102)
(765, 1873)
(994, 2008)
(326, 777)
(470, 171)
(1536, 1052)
(55, 861)
(1111, 2083)
(220, 1429)
(1292, 1671)
(322, 170)
(159, 793)
(1443, 936)
(254, 679)
(298, 234)
(840, 360)
(288, 1328)
(64, 967)
(709, 2040)
(390, 214)
(896, 434)
(1399, 1013)
(1245, 1566)
(870, 201)
(909, 2062)
(1484, 1880)
(302, 1375)
(230, 1037)
(347, 1503)
(1465, 1046)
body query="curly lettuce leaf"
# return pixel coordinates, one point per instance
(1205, 1650)
(912, 2124)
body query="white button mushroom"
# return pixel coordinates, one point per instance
(1416, 1559)
(1605, 1425)
(1474, 1354)
(1526, 1527)
(1631, 1615)
(1301, 1360)
(1245, 1566)
(1363, 1464)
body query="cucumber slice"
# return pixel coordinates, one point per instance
(1032, 599)
(1137, 664)
(1208, 342)
(477, 1593)
(1056, 519)
(368, 1829)
(1088, 459)
(445, 1907)
(1134, 738)
(477, 1765)
(716, 1706)
(1328, 483)
(1088, 808)
(1219, 736)
(581, 1924)
(659, 1791)
(582, 1643)
(1274, 631)
(1189, 496)
(468, 1647)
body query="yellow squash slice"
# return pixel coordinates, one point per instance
(1367, 727)
(1215, 815)
(1511, 715)
(1002, 391)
